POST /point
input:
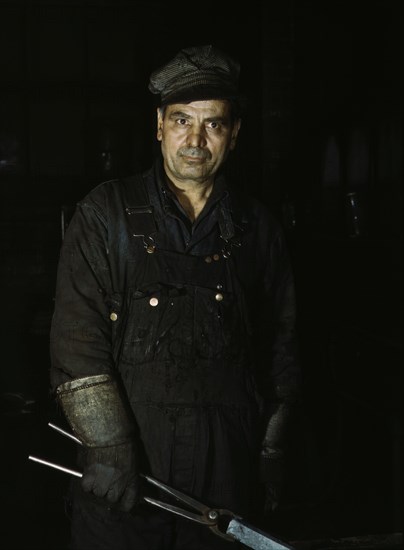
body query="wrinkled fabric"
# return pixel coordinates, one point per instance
(199, 330)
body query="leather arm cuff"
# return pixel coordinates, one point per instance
(95, 410)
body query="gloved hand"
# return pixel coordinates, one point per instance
(111, 473)
(272, 454)
(100, 416)
(272, 478)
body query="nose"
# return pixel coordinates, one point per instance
(196, 136)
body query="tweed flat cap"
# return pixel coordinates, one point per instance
(196, 73)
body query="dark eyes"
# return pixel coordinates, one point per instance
(214, 125)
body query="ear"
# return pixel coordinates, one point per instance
(159, 124)
(234, 133)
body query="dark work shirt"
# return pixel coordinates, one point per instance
(188, 235)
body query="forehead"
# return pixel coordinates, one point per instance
(204, 108)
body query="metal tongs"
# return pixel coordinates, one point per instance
(223, 523)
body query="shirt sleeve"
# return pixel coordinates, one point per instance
(286, 369)
(277, 339)
(80, 338)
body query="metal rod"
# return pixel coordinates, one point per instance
(67, 434)
(56, 466)
(79, 474)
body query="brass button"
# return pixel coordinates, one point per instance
(153, 301)
(219, 297)
(216, 257)
(208, 259)
(113, 316)
(150, 249)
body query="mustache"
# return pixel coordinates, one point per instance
(194, 152)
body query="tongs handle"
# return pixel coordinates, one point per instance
(53, 464)
(56, 466)
(66, 434)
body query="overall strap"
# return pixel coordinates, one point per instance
(231, 229)
(139, 211)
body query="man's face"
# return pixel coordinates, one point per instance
(196, 139)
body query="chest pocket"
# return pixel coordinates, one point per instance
(153, 317)
(219, 325)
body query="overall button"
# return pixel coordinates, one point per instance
(113, 316)
(153, 301)
(208, 259)
(150, 249)
(219, 297)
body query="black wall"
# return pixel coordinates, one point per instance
(324, 81)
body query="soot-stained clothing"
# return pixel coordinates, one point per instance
(196, 321)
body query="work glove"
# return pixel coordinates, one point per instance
(272, 478)
(111, 473)
(272, 454)
(98, 412)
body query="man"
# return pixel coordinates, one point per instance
(173, 341)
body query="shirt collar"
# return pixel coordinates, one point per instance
(168, 199)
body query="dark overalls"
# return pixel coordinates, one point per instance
(182, 347)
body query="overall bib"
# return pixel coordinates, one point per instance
(184, 359)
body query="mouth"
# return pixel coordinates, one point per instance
(193, 160)
(193, 155)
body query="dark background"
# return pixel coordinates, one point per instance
(324, 81)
